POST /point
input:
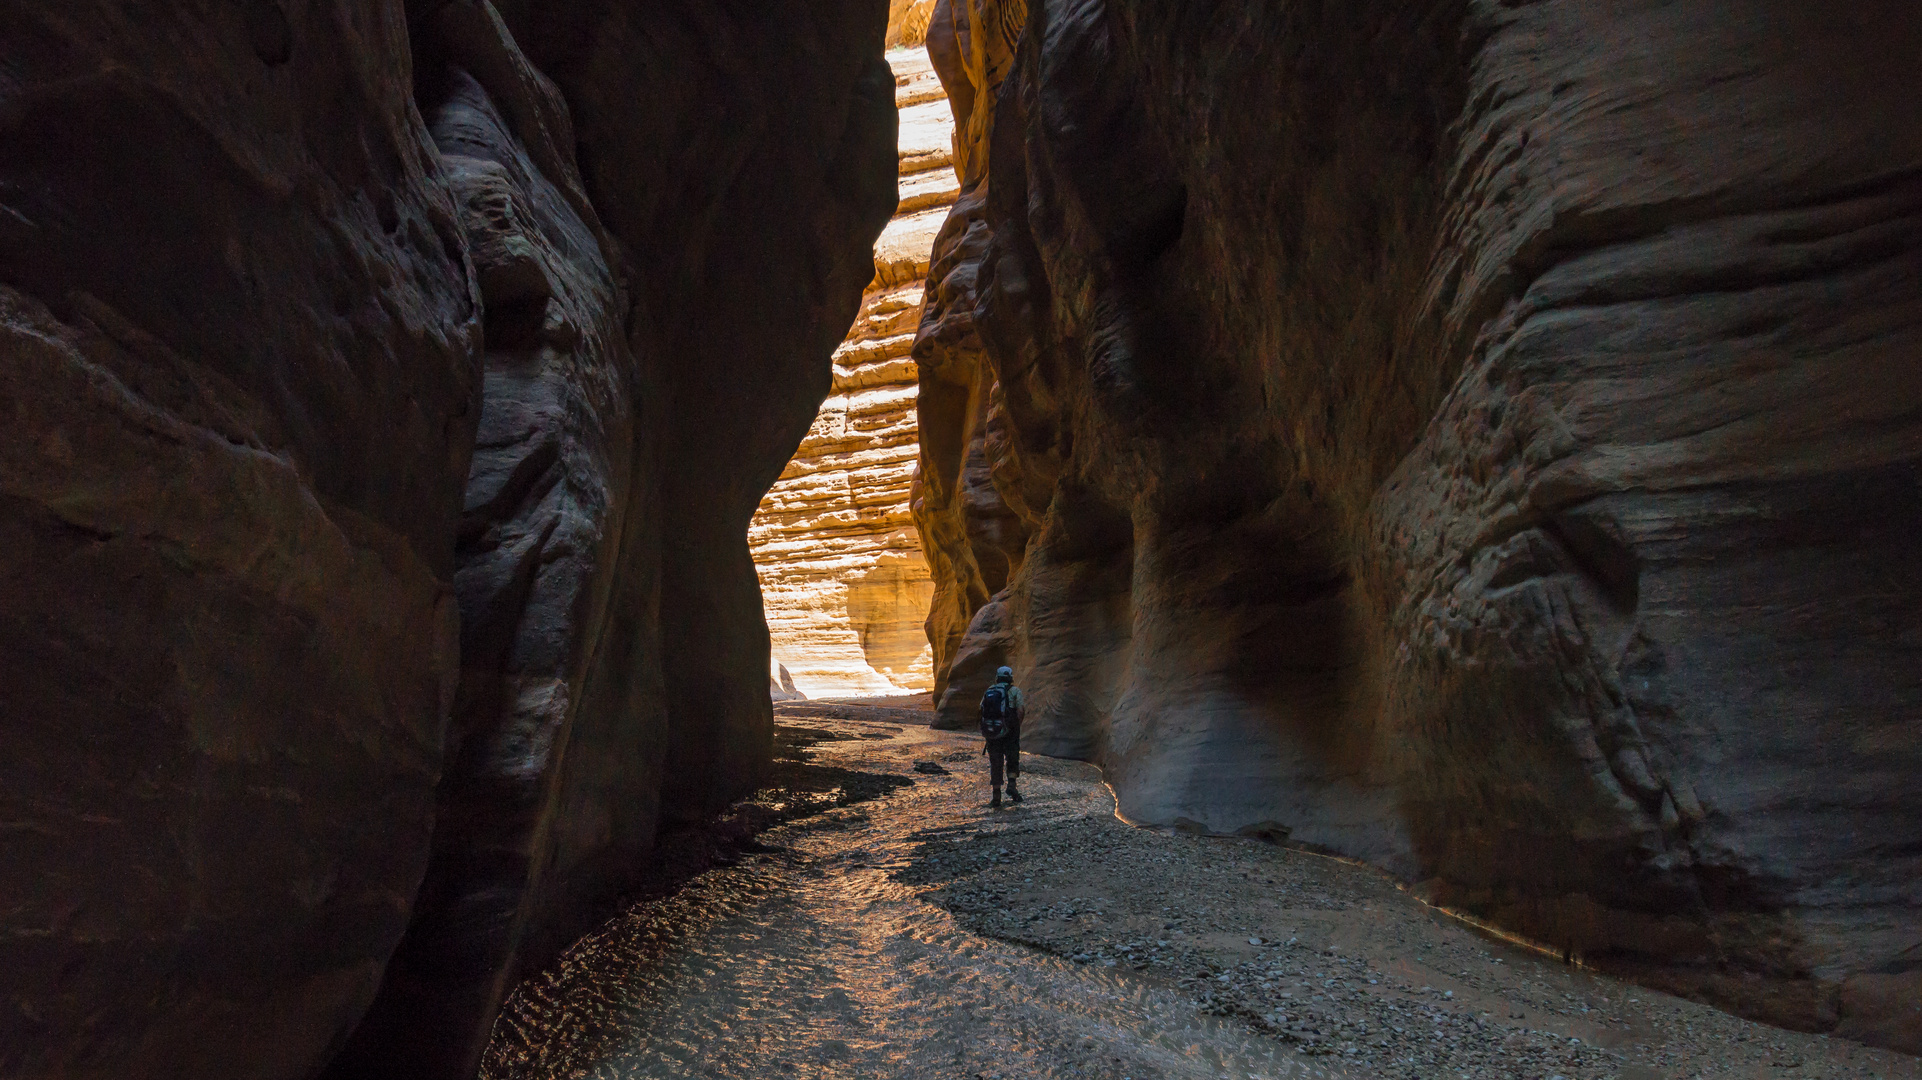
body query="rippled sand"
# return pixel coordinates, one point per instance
(901, 929)
(813, 961)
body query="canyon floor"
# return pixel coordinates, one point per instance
(861, 919)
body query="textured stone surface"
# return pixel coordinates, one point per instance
(1480, 438)
(614, 655)
(777, 166)
(239, 392)
(843, 580)
(908, 22)
(972, 537)
(540, 569)
(367, 413)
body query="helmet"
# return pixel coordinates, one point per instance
(1006, 674)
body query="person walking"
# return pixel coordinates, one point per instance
(1001, 712)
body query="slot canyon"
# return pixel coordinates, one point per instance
(1445, 476)
(845, 587)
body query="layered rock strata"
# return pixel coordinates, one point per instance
(843, 580)
(1480, 438)
(376, 505)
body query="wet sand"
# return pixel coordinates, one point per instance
(877, 928)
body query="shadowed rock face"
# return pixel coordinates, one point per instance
(619, 459)
(237, 349)
(1480, 438)
(380, 381)
(766, 156)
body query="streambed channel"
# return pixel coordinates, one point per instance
(901, 929)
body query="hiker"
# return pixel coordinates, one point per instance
(1001, 727)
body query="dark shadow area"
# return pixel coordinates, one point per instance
(797, 788)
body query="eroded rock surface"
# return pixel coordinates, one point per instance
(1479, 438)
(380, 381)
(972, 536)
(843, 580)
(237, 370)
(614, 653)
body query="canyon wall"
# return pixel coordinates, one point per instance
(973, 538)
(1481, 438)
(388, 397)
(843, 581)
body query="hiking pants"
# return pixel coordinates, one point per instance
(1004, 750)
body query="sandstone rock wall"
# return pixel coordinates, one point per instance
(843, 580)
(375, 485)
(908, 23)
(1481, 438)
(973, 537)
(237, 348)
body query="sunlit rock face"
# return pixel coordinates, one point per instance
(387, 397)
(843, 580)
(908, 23)
(1482, 438)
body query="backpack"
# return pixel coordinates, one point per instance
(995, 713)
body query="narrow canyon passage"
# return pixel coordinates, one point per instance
(844, 583)
(473, 464)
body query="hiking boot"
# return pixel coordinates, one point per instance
(1013, 795)
(995, 803)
